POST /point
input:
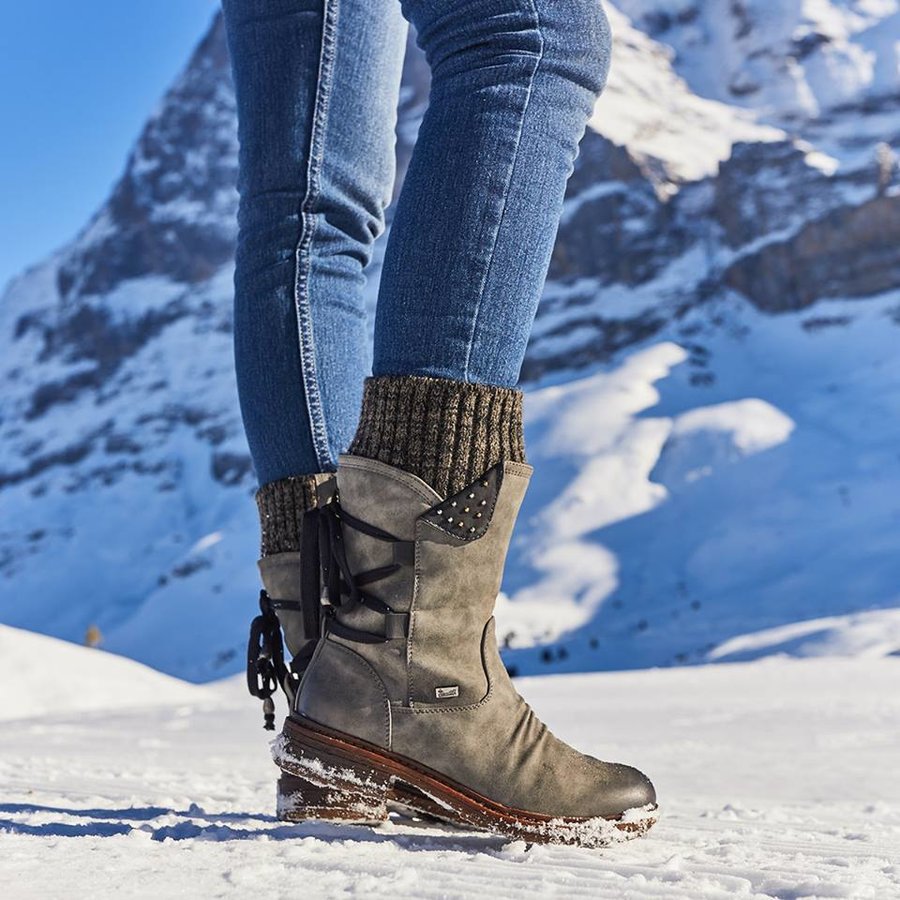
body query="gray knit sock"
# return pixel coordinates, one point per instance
(444, 431)
(281, 506)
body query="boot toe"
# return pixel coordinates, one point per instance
(635, 790)
(622, 788)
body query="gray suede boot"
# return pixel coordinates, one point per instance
(406, 703)
(290, 602)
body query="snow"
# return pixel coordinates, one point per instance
(797, 58)
(651, 110)
(777, 778)
(724, 491)
(718, 434)
(735, 473)
(869, 634)
(744, 478)
(42, 676)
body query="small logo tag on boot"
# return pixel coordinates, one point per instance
(444, 693)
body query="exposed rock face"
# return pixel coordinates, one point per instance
(765, 188)
(617, 227)
(850, 252)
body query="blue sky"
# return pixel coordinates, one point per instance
(77, 81)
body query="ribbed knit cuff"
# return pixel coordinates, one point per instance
(444, 431)
(281, 506)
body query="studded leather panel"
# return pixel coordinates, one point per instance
(467, 515)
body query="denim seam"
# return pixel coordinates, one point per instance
(512, 166)
(302, 256)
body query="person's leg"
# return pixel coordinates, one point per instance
(407, 700)
(317, 84)
(513, 85)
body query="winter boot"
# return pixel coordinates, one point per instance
(290, 602)
(406, 704)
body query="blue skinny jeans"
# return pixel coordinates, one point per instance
(317, 84)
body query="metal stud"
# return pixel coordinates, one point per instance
(484, 484)
(477, 515)
(466, 509)
(472, 528)
(483, 503)
(453, 503)
(460, 524)
(471, 496)
(440, 512)
(450, 520)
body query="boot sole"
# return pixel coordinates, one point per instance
(327, 775)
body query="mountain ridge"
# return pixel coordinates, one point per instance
(690, 223)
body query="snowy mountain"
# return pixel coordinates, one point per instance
(794, 61)
(716, 340)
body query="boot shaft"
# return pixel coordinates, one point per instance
(440, 577)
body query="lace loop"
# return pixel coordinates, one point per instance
(266, 670)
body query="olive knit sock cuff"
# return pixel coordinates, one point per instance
(444, 431)
(281, 506)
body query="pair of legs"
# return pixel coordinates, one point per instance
(317, 84)
(398, 695)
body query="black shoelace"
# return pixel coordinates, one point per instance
(343, 588)
(266, 669)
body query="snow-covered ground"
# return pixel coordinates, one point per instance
(777, 778)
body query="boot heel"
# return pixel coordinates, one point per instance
(299, 800)
(318, 784)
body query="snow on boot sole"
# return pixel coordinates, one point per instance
(334, 777)
(299, 799)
